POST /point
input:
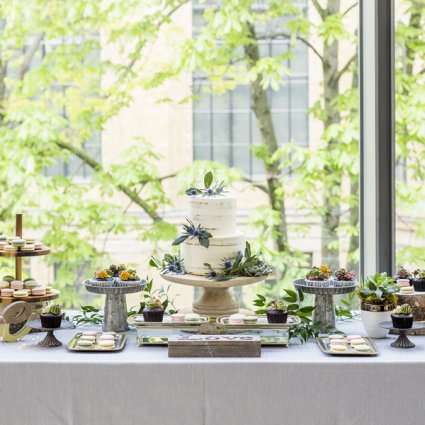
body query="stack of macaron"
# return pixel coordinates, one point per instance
(15, 244)
(341, 343)
(93, 339)
(242, 319)
(11, 287)
(406, 289)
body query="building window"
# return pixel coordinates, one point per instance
(224, 127)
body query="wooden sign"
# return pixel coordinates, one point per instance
(214, 346)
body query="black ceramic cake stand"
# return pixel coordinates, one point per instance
(402, 341)
(50, 340)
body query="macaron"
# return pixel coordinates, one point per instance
(30, 240)
(407, 290)
(10, 248)
(84, 343)
(4, 284)
(8, 278)
(362, 347)
(107, 343)
(236, 319)
(360, 341)
(3, 238)
(27, 248)
(17, 284)
(18, 242)
(177, 318)
(338, 341)
(39, 290)
(7, 292)
(339, 348)
(351, 337)
(3, 244)
(250, 319)
(30, 283)
(38, 245)
(88, 338)
(11, 238)
(106, 337)
(89, 333)
(21, 293)
(192, 317)
(109, 333)
(335, 336)
(403, 282)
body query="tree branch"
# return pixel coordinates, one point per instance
(348, 10)
(26, 61)
(131, 194)
(259, 186)
(345, 68)
(288, 36)
(320, 10)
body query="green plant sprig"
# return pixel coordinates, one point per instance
(209, 189)
(161, 294)
(191, 231)
(169, 264)
(88, 315)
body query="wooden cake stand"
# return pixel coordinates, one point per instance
(216, 299)
(14, 333)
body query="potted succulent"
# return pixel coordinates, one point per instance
(419, 280)
(277, 311)
(51, 318)
(402, 317)
(343, 277)
(318, 276)
(101, 276)
(378, 299)
(403, 274)
(153, 311)
(126, 277)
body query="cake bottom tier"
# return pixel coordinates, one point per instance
(195, 255)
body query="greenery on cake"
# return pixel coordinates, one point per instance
(344, 275)
(211, 187)
(244, 264)
(379, 289)
(403, 309)
(158, 294)
(55, 309)
(293, 299)
(169, 264)
(319, 273)
(192, 231)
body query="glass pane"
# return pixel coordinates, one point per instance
(202, 152)
(241, 158)
(201, 128)
(299, 61)
(299, 128)
(281, 125)
(299, 95)
(240, 128)
(221, 128)
(221, 153)
(280, 98)
(241, 98)
(221, 102)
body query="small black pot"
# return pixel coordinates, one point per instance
(277, 316)
(402, 321)
(419, 284)
(49, 320)
(153, 315)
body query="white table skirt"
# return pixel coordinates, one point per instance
(298, 385)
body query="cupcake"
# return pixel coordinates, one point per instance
(276, 311)
(153, 311)
(318, 276)
(101, 277)
(402, 317)
(51, 317)
(418, 280)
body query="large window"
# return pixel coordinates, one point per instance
(224, 126)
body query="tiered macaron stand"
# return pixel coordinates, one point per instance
(17, 312)
(324, 313)
(216, 299)
(115, 311)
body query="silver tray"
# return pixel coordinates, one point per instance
(261, 323)
(138, 321)
(120, 340)
(324, 344)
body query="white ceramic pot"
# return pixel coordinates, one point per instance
(371, 320)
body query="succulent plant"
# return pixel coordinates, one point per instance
(403, 273)
(419, 273)
(378, 289)
(403, 309)
(319, 273)
(344, 275)
(153, 304)
(278, 305)
(102, 274)
(53, 309)
(261, 269)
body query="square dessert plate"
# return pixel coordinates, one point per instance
(324, 344)
(120, 340)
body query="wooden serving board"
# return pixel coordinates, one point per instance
(35, 253)
(214, 346)
(54, 294)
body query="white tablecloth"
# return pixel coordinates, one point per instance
(298, 385)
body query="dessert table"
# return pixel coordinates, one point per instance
(298, 385)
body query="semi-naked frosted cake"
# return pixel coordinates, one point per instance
(216, 215)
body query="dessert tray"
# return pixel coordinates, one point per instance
(120, 340)
(324, 344)
(51, 295)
